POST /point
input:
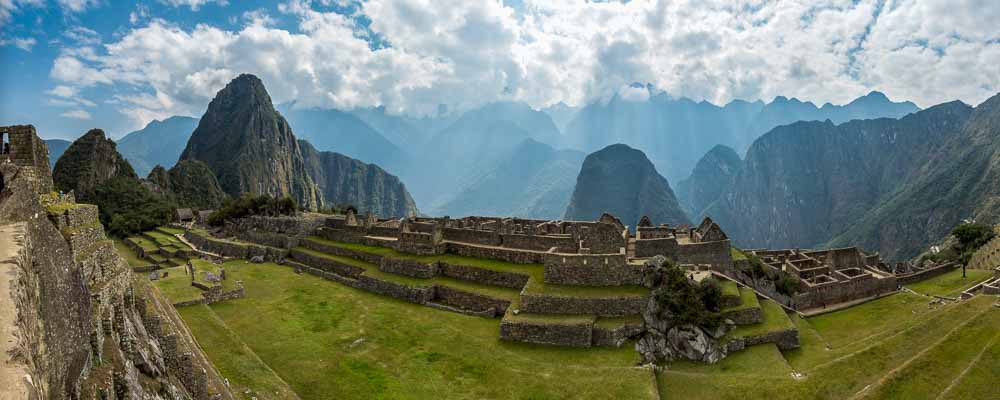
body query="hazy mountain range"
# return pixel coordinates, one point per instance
(509, 159)
(890, 185)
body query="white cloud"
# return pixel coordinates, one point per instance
(70, 69)
(634, 93)
(76, 6)
(9, 7)
(193, 4)
(76, 114)
(67, 96)
(141, 13)
(465, 53)
(82, 36)
(22, 43)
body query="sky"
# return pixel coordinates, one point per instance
(70, 65)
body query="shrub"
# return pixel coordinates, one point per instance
(128, 207)
(787, 285)
(711, 294)
(972, 236)
(249, 205)
(683, 299)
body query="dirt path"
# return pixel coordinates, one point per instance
(14, 378)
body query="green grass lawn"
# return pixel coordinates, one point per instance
(177, 285)
(129, 256)
(729, 288)
(328, 341)
(930, 352)
(950, 283)
(146, 244)
(774, 320)
(748, 299)
(248, 375)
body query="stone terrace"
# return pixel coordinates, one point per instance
(570, 283)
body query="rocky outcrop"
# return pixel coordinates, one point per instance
(250, 147)
(620, 180)
(672, 329)
(344, 180)
(89, 162)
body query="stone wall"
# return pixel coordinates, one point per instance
(843, 291)
(615, 337)
(591, 270)
(561, 244)
(279, 232)
(469, 301)
(370, 258)
(495, 253)
(228, 248)
(785, 340)
(715, 253)
(419, 295)
(746, 316)
(474, 236)
(574, 335)
(327, 264)
(601, 306)
(914, 277)
(483, 276)
(406, 267)
(599, 238)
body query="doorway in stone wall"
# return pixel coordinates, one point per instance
(4, 143)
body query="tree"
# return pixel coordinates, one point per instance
(128, 207)
(248, 205)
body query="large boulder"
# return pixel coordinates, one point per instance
(690, 342)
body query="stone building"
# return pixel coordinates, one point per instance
(830, 277)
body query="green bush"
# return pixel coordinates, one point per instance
(972, 236)
(128, 207)
(684, 300)
(711, 294)
(787, 285)
(249, 205)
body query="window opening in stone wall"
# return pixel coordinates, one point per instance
(4, 143)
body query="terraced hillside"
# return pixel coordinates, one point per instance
(295, 334)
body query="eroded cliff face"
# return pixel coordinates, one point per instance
(344, 180)
(804, 184)
(84, 325)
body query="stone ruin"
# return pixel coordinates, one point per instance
(76, 285)
(826, 277)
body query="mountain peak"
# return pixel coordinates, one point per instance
(621, 180)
